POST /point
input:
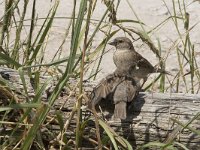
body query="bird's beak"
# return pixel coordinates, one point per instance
(112, 43)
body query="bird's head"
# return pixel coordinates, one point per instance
(122, 43)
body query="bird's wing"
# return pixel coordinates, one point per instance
(101, 90)
(142, 62)
(104, 88)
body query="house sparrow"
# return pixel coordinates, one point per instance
(131, 63)
(124, 83)
(122, 90)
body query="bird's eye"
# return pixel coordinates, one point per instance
(120, 41)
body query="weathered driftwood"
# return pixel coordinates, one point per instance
(152, 116)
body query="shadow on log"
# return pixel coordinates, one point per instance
(152, 117)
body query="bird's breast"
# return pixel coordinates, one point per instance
(123, 59)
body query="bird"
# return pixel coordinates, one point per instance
(124, 83)
(122, 90)
(130, 63)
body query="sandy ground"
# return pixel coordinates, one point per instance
(151, 12)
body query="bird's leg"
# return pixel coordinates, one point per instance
(102, 114)
(144, 80)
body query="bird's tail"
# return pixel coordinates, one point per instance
(120, 110)
(162, 71)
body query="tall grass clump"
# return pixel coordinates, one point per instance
(25, 56)
(23, 48)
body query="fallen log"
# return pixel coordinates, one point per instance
(157, 117)
(152, 117)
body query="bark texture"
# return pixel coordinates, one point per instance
(151, 117)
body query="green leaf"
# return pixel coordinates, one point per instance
(181, 145)
(44, 34)
(5, 59)
(129, 21)
(60, 120)
(109, 133)
(34, 129)
(21, 74)
(20, 106)
(150, 144)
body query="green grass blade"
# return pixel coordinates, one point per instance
(44, 34)
(34, 129)
(157, 145)
(129, 21)
(17, 46)
(20, 106)
(75, 36)
(29, 47)
(181, 145)
(114, 137)
(111, 136)
(7, 60)
(41, 117)
(60, 120)
(21, 74)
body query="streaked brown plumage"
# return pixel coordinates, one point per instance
(122, 89)
(124, 83)
(129, 62)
